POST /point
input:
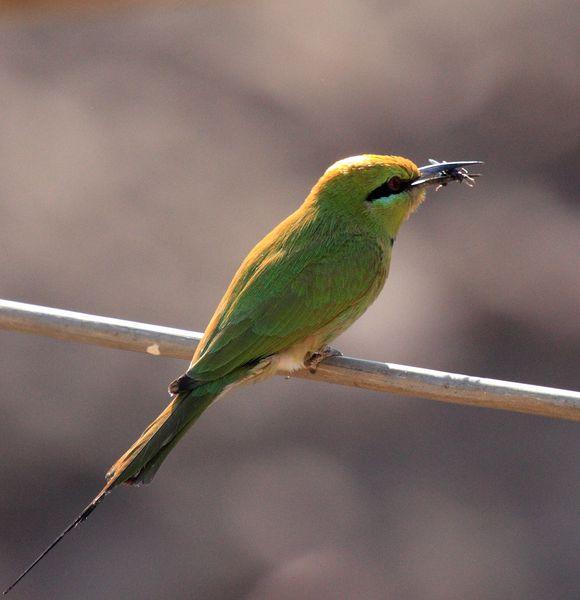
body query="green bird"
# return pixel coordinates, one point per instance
(300, 287)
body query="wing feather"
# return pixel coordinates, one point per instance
(286, 291)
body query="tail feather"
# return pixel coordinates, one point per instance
(140, 463)
(82, 517)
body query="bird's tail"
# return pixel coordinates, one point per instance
(86, 512)
(140, 463)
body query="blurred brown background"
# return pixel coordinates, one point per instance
(142, 154)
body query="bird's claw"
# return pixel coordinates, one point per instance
(314, 359)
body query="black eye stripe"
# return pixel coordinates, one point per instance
(385, 190)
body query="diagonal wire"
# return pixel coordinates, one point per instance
(383, 377)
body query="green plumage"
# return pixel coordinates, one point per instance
(297, 286)
(298, 289)
(307, 281)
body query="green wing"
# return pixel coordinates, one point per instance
(289, 291)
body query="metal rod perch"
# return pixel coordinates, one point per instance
(383, 377)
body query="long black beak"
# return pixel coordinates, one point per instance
(441, 173)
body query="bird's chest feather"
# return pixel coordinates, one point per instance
(292, 358)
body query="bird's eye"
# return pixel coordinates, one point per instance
(395, 184)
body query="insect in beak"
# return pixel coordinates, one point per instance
(441, 173)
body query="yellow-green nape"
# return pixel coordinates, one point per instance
(364, 162)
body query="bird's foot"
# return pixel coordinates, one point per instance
(312, 361)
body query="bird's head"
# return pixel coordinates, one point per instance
(381, 191)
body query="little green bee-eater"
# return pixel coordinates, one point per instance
(308, 280)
